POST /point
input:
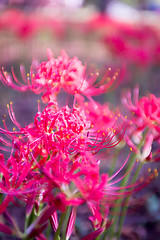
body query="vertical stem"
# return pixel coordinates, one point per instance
(1, 197)
(29, 219)
(116, 210)
(124, 183)
(57, 233)
(65, 224)
(48, 233)
(126, 202)
(124, 210)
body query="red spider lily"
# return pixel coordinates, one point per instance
(101, 117)
(66, 182)
(29, 24)
(145, 116)
(56, 73)
(80, 181)
(137, 44)
(65, 130)
(65, 177)
(55, 151)
(16, 179)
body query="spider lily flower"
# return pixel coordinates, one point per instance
(138, 45)
(144, 116)
(105, 120)
(67, 181)
(57, 130)
(146, 110)
(100, 115)
(57, 73)
(80, 181)
(16, 180)
(59, 146)
(99, 216)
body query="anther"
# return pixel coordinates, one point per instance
(156, 172)
(116, 74)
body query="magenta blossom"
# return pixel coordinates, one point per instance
(60, 73)
(144, 116)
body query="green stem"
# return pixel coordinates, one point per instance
(29, 219)
(115, 157)
(126, 203)
(124, 209)
(57, 233)
(1, 197)
(65, 223)
(124, 183)
(48, 232)
(116, 210)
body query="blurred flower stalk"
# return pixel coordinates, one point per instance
(54, 164)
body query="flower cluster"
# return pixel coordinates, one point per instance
(54, 162)
(143, 123)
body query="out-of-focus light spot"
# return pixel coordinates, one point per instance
(122, 12)
(73, 3)
(66, 3)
